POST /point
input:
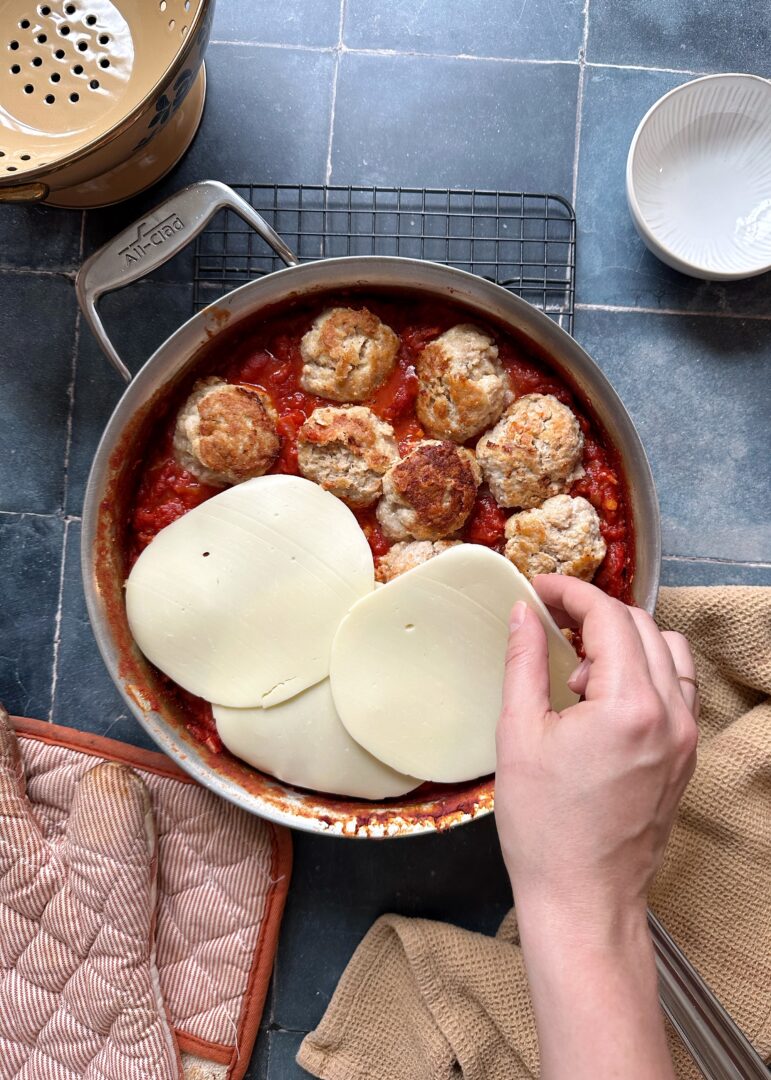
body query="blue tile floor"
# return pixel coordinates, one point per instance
(542, 95)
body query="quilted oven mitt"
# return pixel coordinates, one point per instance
(79, 988)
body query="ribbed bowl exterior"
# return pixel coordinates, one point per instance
(699, 177)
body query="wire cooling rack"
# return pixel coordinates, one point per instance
(524, 242)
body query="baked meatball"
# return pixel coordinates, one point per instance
(532, 453)
(463, 388)
(406, 556)
(560, 537)
(347, 449)
(226, 434)
(429, 493)
(347, 354)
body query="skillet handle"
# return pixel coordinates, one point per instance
(712, 1038)
(152, 241)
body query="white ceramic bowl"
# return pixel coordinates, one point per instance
(698, 177)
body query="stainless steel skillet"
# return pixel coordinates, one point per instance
(146, 245)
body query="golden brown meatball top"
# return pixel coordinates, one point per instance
(561, 537)
(347, 354)
(532, 453)
(463, 387)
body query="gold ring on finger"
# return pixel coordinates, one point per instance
(688, 679)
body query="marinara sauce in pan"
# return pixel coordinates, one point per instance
(266, 354)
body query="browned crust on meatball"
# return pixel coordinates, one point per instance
(237, 435)
(354, 372)
(438, 483)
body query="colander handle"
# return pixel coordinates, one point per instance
(153, 240)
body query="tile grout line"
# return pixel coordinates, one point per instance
(580, 100)
(268, 1050)
(70, 409)
(65, 489)
(58, 625)
(642, 67)
(56, 516)
(335, 77)
(69, 519)
(713, 561)
(628, 310)
(580, 306)
(418, 54)
(73, 375)
(70, 275)
(41, 271)
(271, 1004)
(275, 45)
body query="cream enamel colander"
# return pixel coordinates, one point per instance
(98, 98)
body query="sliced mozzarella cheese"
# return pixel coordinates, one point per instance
(417, 666)
(238, 601)
(302, 742)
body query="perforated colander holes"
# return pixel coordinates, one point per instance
(65, 31)
(14, 168)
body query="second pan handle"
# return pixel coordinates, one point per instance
(712, 1038)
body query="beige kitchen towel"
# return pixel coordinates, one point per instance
(423, 1000)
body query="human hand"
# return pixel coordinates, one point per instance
(586, 798)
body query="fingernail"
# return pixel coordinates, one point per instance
(517, 616)
(579, 673)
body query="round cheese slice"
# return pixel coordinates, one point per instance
(417, 666)
(239, 600)
(303, 743)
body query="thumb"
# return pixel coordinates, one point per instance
(526, 697)
(111, 848)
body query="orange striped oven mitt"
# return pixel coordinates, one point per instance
(79, 987)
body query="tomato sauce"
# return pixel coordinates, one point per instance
(267, 356)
